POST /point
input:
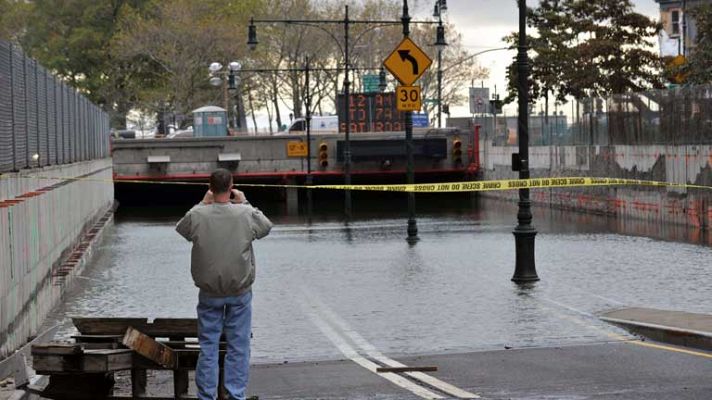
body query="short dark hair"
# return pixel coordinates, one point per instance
(220, 181)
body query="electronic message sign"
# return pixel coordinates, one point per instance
(371, 112)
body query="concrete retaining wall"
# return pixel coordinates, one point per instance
(264, 156)
(678, 164)
(41, 221)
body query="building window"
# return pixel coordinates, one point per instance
(675, 16)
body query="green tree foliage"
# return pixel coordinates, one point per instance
(698, 69)
(72, 38)
(12, 19)
(589, 48)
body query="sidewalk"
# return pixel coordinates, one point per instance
(674, 327)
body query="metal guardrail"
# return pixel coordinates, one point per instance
(43, 121)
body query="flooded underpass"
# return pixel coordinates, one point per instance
(449, 293)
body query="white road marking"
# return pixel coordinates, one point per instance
(372, 352)
(353, 355)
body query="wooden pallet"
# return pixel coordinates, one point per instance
(109, 345)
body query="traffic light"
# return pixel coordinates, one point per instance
(457, 151)
(446, 109)
(323, 154)
(496, 105)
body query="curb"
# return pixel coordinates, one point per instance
(666, 334)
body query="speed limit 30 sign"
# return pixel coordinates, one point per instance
(408, 98)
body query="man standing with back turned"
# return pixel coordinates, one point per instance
(223, 267)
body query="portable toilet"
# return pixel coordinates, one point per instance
(209, 121)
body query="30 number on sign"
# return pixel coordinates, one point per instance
(408, 98)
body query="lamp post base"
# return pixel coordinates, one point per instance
(310, 201)
(412, 231)
(525, 267)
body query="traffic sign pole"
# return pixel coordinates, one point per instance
(419, 62)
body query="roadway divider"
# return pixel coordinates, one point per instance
(443, 187)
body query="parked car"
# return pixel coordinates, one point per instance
(319, 124)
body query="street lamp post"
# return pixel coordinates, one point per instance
(440, 44)
(308, 118)
(524, 232)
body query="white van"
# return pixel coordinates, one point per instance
(319, 124)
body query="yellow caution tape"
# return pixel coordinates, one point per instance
(495, 185)
(444, 187)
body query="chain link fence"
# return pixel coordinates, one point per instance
(680, 116)
(43, 121)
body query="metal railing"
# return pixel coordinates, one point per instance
(680, 116)
(43, 121)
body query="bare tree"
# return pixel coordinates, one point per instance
(181, 38)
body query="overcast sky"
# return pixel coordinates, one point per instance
(483, 23)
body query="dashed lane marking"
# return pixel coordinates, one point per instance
(347, 350)
(372, 352)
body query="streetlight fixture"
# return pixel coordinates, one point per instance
(252, 35)
(440, 45)
(443, 5)
(524, 232)
(230, 84)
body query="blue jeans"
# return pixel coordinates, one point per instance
(233, 314)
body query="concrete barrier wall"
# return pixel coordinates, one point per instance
(676, 164)
(264, 155)
(41, 220)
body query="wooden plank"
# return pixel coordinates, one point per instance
(406, 369)
(46, 364)
(107, 326)
(180, 327)
(60, 349)
(149, 348)
(160, 327)
(98, 338)
(139, 380)
(90, 361)
(102, 346)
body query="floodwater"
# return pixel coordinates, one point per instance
(451, 292)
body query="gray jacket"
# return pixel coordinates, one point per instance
(222, 260)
